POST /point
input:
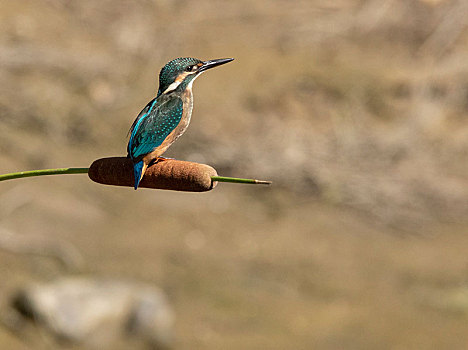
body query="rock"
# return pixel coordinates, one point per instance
(98, 313)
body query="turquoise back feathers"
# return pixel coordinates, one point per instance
(152, 128)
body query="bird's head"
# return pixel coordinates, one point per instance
(181, 72)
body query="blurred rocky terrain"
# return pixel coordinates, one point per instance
(357, 110)
(363, 104)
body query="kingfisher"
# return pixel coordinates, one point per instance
(166, 117)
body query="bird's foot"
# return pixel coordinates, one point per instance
(161, 159)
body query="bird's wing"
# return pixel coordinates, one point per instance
(143, 112)
(151, 129)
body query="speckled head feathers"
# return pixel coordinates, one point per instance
(179, 72)
(172, 69)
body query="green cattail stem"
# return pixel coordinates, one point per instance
(42, 172)
(239, 180)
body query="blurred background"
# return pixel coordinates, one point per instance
(357, 110)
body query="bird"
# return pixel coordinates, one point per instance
(166, 117)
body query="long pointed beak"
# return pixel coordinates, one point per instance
(214, 63)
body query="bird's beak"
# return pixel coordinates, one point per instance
(214, 63)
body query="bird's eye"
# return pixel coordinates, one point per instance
(189, 68)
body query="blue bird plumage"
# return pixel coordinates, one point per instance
(167, 116)
(137, 169)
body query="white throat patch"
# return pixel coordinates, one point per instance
(179, 80)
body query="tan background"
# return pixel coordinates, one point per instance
(357, 110)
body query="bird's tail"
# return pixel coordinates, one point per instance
(138, 171)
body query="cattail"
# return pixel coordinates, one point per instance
(169, 174)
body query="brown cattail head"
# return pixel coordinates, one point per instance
(168, 174)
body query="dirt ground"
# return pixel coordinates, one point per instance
(277, 272)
